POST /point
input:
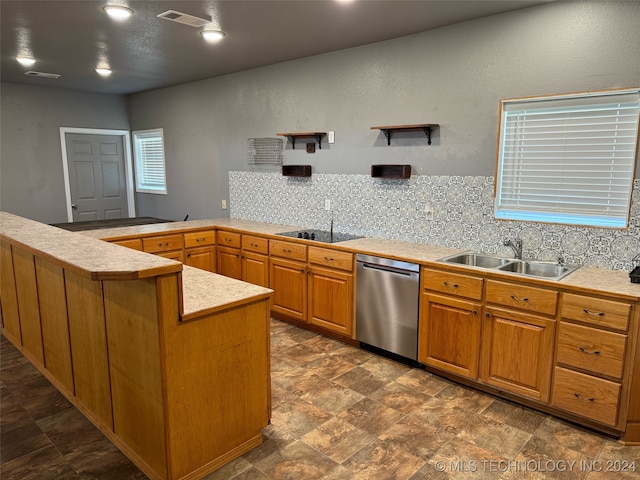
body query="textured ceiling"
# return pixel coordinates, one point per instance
(71, 37)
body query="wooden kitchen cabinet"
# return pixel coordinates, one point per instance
(255, 260)
(201, 257)
(449, 334)
(591, 357)
(133, 243)
(229, 261)
(517, 352)
(168, 246)
(288, 280)
(330, 290)
(313, 285)
(517, 343)
(450, 322)
(200, 250)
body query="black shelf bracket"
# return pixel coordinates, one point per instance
(387, 134)
(427, 132)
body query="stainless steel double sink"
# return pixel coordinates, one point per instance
(528, 268)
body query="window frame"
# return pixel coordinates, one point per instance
(561, 215)
(143, 184)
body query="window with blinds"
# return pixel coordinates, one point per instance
(568, 159)
(148, 152)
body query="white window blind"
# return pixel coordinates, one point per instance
(568, 159)
(149, 161)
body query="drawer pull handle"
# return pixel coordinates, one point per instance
(584, 399)
(594, 314)
(517, 299)
(329, 259)
(474, 312)
(452, 285)
(595, 352)
(253, 244)
(228, 240)
(286, 250)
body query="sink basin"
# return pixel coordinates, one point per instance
(477, 260)
(538, 269)
(529, 268)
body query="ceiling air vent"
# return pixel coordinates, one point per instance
(42, 74)
(184, 18)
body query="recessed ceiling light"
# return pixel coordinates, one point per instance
(118, 12)
(105, 72)
(212, 35)
(25, 60)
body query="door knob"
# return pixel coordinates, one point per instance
(74, 206)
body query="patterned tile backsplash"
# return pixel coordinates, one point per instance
(451, 211)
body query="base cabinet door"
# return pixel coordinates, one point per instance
(449, 334)
(255, 268)
(229, 262)
(331, 300)
(518, 352)
(202, 257)
(288, 280)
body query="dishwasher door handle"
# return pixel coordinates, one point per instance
(381, 268)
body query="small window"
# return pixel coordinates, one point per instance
(568, 159)
(148, 152)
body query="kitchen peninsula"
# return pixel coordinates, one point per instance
(567, 347)
(170, 362)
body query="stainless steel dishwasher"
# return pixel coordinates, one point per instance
(387, 296)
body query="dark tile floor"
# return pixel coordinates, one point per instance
(339, 413)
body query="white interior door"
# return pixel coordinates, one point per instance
(96, 175)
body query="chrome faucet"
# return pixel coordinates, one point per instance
(516, 245)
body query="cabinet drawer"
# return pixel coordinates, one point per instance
(590, 349)
(229, 239)
(585, 395)
(453, 283)
(294, 251)
(164, 243)
(524, 297)
(255, 244)
(134, 243)
(199, 239)
(331, 258)
(595, 311)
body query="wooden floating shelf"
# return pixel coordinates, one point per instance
(391, 171)
(424, 127)
(296, 170)
(292, 137)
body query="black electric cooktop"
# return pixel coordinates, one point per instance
(320, 235)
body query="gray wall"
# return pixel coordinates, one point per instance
(31, 175)
(453, 76)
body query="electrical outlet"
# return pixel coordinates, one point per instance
(428, 211)
(224, 204)
(332, 136)
(327, 204)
